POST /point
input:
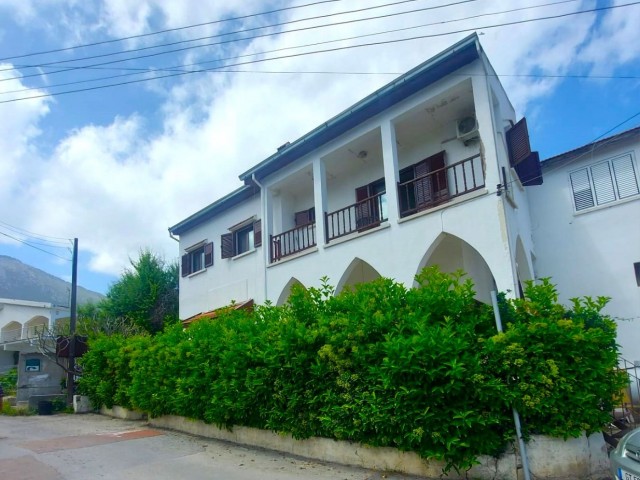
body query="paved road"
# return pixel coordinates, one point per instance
(84, 447)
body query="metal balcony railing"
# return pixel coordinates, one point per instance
(440, 186)
(292, 241)
(360, 216)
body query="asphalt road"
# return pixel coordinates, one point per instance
(84, 447)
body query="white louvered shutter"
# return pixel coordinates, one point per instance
(625, 175)
(603, 183)
(582, 194)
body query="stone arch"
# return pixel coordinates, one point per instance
(34, 326)
(357, 272)
(523, 266)
(451, 253)
(286, 291)
(11, 332)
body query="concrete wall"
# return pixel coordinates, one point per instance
(591, 252)
(552, 459)
(47, 381)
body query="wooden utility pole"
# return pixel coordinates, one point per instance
(72, 326)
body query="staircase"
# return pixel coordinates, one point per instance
(625, 415)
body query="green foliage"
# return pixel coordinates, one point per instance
(417, 369)
(147, 294)
(10, 411)
(9, 382)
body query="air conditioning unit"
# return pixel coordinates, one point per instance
(467, 129)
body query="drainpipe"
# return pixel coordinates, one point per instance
(174, 237)
(265, 245)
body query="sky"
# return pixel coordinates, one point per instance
(116, 165)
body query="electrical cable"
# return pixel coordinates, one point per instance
(325, 51)
(158, 32)
(27, 233)
(140, 71)
(33, 246)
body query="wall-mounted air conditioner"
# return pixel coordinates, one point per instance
(467, 129)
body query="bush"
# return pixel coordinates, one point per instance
(9, 382)
(419, 369)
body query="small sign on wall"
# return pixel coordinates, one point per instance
(32, 365)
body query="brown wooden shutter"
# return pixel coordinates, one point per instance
(226, 245)
(363, 210)
(422, 186)
(438, 179)
(257, 233)
(302, 218)
(518, 142)
(185, 265)
(208, 255)
(529, 170)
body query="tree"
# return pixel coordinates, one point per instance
(146, 294)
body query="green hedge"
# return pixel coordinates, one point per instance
(418, 369)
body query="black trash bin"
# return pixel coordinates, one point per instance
(45, 407)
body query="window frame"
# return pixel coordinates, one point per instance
(202, 253)
(230, 244)
(597, 196)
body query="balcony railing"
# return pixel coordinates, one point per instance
(360, 216)
(292, 241)
(440, 186)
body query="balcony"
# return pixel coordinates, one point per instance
(440, 185)
(292, 241)
(358, 217)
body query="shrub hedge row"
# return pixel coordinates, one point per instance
(420, 369)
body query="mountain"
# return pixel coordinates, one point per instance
(20, 281)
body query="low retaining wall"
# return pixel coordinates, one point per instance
(549, 458)
(122, 413)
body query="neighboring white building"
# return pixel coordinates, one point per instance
(586, 229)
(412, 175)
(21, 321)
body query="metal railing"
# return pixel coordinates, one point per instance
(360, 216)
(629, 409)
(440, 186)
(292, 241)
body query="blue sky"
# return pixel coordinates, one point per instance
(117, 166)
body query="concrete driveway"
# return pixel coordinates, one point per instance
(82, 447)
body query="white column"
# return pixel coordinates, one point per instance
(320, 198)
(391, 175)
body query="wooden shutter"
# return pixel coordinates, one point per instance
(186, 264)
(363, 208)
(438, 179)
(257, 233)
(422, 186)
(518, 142)
(529, 170)
(208, 255)
(226, 245)
(302, 218)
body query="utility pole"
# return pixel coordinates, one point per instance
(72, 326)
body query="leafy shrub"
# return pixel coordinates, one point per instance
(419, 369)
(9, 382)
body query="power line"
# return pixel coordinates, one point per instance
(140, 71)
(165, 52)
(39, 236)
(33, 246)
(158, 32)
(324, 51)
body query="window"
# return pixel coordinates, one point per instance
(305, 217)
(243, 237)
(604, 182)
(428, 189)
(32, 365)
(371, 204)
(197, 258)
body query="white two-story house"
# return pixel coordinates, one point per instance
(431, 169)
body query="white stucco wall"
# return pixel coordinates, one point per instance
(590, 252)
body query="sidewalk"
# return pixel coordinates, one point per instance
(83, 447)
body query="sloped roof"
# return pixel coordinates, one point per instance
(571, 154)
(246, 305)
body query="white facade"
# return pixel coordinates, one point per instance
(378, 212)
(20, 322)
(592, 250)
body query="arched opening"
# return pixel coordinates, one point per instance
(357, 272)
(523, 268)
(286, 291)
(11, 332)
(35, 326)
(451, 253)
